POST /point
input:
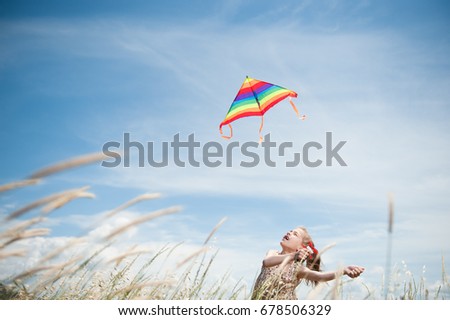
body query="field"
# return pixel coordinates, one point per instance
(87, 267)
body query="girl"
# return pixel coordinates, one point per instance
(283, 271)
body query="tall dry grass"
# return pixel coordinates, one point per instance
(138, 272)
(134, 273)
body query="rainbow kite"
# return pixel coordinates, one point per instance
(255, 98)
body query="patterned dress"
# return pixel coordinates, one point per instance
(276, 284)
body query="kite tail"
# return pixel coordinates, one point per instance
(260, 129)
(303, 117)
(231, 133)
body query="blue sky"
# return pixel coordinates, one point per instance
(375, 73)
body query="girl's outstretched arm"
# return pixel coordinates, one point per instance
(351, 271)
(273, 258)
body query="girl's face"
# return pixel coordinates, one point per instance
(293, 240)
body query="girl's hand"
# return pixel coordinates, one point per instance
(301, 254)
(353, 271)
